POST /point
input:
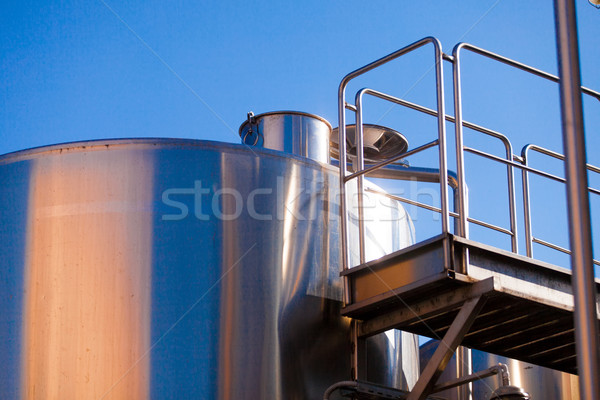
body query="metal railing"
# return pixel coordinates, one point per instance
(511, 161)
(525, 170)
(460, 213)
(361, 171)
(512, 231)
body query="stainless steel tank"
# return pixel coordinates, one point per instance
(539, 382)
(388, 227)
(149, 268)
(293, 132)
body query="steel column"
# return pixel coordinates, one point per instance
(586, 325)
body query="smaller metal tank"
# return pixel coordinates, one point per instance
(293, 132)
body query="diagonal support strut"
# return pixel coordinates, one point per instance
(451, 340)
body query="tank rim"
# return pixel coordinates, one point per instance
(284, 112)
(108, 144)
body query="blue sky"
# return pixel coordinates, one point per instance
(81, 70)
(76, 70)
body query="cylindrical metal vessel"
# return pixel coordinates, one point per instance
(292, 132)
(135, 269)
(539, 382)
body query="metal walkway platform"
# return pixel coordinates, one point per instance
(511, 305)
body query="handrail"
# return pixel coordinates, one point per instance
(516, 64)
(431, 175)
(530, 239)
(505, 141)
(558, 156)
(459, 123)
(343, 151)
(377, 166)
(458, 126)
(557, 247)
(438, 210)
(359, 144)
(526, 167)
(510, 160)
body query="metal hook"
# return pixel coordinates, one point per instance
(251, 123)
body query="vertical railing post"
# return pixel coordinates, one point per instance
(342, 194)
(526, 205)
(458, 129)
(360, 153)
(512, 200)
(441, 117)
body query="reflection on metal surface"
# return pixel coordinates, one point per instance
(538, 382)
(509, 393)
(381, 214)
(87, 278)
(293, 132)
(176, 269)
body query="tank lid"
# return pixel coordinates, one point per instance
(380, 143)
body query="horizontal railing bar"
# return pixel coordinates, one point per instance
(519, 65)
(551, 245)
(556, 247)
(404, 172)
(438, 210)
(490, 226)
(405, 200)
(514, 164)
(525, 167)
(558, 156)
(391, 160)
(349, 106)
(433, 113)
(486, 131)
(411, 105)
(383, 60)
(595, 191)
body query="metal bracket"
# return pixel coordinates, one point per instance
(252, 125)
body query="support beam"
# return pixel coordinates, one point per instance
(415, 312)
(359, 353)
(463, 380)
(452, 339)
